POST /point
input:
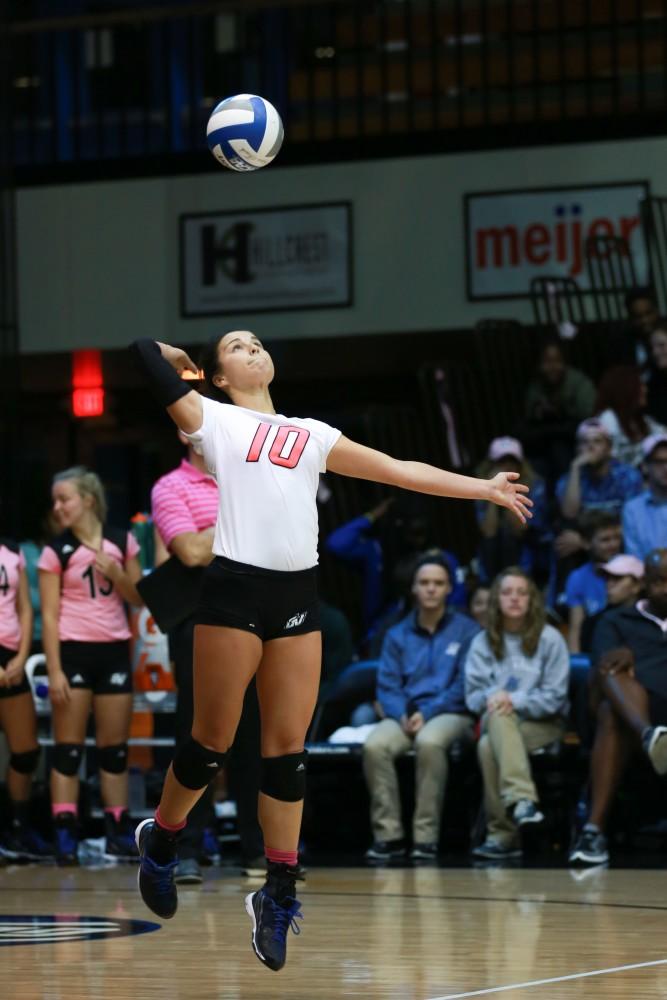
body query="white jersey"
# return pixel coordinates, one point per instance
(268, 466)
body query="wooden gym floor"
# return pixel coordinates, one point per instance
(400, 934)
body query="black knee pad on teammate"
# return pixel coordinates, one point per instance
(113, 759)
(284, 778)
(67, 758)
(26, 762)
(195, 766)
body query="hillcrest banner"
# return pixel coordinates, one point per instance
(512, 237)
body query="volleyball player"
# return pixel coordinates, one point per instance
(85, 576)
(17, 710)
(258, 614)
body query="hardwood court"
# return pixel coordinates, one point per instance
(403, 934)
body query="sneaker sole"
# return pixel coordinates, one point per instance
(657, 751)
(250, 910)
(497, 857)
(580, 857)
(532, 820)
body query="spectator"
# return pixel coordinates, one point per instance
(585, 587)
(478, 605)
(505, 540)
(645, 517)
(386, 580)
(516, 678)
(420, 690)
(620, 406)
(630, 345)
(630, 692)
(596, 481)
(557, 399)
(337, 646)
(657, 379)
(624, 580)
(184, 507)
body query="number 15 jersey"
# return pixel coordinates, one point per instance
(268, 469)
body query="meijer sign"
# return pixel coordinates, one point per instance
(514, 236)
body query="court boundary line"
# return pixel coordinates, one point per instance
(554, 979)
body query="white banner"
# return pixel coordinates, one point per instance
(514, 236)
(266, 259)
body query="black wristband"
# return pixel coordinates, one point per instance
(166, 385)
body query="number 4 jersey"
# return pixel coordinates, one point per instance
(91, 609)
(268, 469)
(12, 561)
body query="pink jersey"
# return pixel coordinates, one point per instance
(91, 610)
(185, 500)
(11, 564)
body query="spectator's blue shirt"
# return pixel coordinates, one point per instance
(621, 483)
(585, 587)
(644, 524)
(425, 669)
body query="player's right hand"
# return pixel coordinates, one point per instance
(177, 358)
(59, 689)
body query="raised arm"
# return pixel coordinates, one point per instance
(356, 460)
(162, 365)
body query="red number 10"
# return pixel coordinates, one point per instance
(297, 444)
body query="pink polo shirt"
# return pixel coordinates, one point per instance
(11, 564)
(91, 610)
(185, 500)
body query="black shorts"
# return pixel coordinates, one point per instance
(657, 708)
(11, 692)
(103, 667)
(270, 603)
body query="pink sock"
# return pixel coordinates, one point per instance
(290, 858)
(116, 811)
(170, 828)
(58, 808)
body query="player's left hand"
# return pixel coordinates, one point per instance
(14, 671)
(504, 492)
(107, 566)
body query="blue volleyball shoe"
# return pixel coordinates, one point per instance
(156, 882)
(270, 922)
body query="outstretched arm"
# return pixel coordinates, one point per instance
(351, 459)
(163, 364)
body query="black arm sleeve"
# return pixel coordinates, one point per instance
(166, 385)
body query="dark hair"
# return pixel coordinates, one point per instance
(592, 521)
(435, 560)
(637, 293)
(546, 343)
(209, 362)
(619, 390)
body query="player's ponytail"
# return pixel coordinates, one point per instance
(87, 483)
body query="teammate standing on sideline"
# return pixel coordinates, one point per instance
(184, 507)
(85, 576)
(258, 614)
(17, 710)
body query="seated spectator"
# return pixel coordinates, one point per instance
(624, 580)
(478, 605)
(362, 542)
(516, 678)
(337, 646)
(596, 481)
(630, 345)
(657, 374)
(630, 692)
(621, 408)
(585, 587)
(420, 690)
(645, 517)
(505, 540)
(556, 400)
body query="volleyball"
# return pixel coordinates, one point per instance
(244, 132)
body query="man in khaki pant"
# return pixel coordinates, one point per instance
(420, 690)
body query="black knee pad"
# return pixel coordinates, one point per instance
(195, 766)
(67, 758)
(284, 778)
(25, 763)
(113, 759)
